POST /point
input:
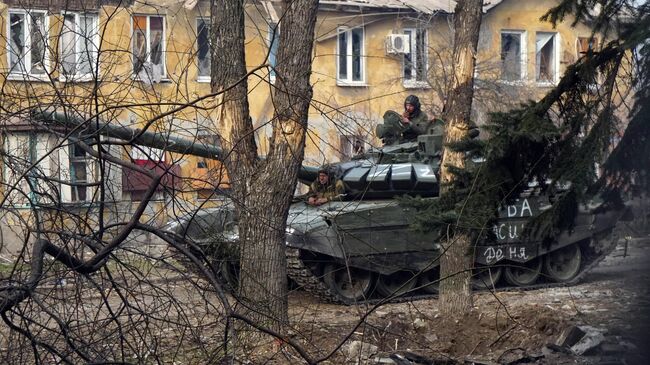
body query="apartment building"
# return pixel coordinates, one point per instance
(146, 64)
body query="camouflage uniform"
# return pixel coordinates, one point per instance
(328, 191)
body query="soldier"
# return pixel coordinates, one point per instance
(324, 189)
(414, 119)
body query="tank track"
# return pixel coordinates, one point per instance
(313, 284)
(306, 280)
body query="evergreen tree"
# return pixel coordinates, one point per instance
(570, 141)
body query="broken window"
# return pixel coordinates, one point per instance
(586, 44)
(27, 42)
(350, 56)
(148, 47)
(415, 62)
(274, 40)
(79, 44)
(203, 47)
(350, 146)
(512, 55)
(546, 56)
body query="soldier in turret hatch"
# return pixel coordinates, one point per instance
(414, 119)
(324, 189)
(406, 127)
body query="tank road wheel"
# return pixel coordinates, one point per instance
(564, 264)
(396, 284)
(524, 273)
(430, 281)
(349, 283)
(486, 277)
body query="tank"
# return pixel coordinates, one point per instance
(361, 246)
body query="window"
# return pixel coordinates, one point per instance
(208, 139)
(27, 43)
(137, 183)
(585, 44)
(80, 173)
(350, 146)
(19, 153)
(79, 45)
(546, 68)
(274, 40)
(142, 155)
(350, 56)
(203, 55)
(66, 162)
(415, 62)
(513, 55)
(149, 47)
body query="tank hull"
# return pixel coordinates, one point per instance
(374, 240)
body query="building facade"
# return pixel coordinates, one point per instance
(147, 65)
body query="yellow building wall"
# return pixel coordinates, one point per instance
(513, 15)
(336, 110)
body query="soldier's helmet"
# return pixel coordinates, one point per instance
(413, 100)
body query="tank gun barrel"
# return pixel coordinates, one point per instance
(134, 135)
(57, 119)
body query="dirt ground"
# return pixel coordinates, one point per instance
(504, 327)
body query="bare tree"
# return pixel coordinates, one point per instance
(455, 264)
(261, 193)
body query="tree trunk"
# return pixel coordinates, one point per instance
(263, 189)
(457, 261)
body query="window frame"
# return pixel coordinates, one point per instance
(89, 170)
(273, 39)
(523, 53)
(95, 65)
(413, 82)
(11, 147)
(346, 150)
(592, 44)
(556, 60)
(349, 56)
(163, 58)
(199, 77)
(27, 57)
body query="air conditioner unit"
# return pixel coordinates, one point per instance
(398, 44)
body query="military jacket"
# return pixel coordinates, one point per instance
(329, 191)
(417, 126)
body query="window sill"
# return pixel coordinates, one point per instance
(28, 77)
(69, 204)
(351, 83)
(203, 79)
(163, 80)
(80, 78)
(416, 85)
(546, 83)
(521, 82)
